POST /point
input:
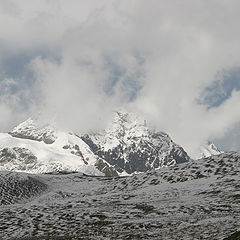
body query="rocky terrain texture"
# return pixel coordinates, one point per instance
(16, 187)
(194, 200)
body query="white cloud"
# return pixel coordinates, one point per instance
(11, 103)
(172, 49)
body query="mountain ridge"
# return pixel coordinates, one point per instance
(207, 149)
(127, 145)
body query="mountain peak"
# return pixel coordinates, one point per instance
(207, 149)
(130, 144)
(35, 129)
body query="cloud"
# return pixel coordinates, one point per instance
(156, 57)
(15, 104)
(230, 141)
(221, 89)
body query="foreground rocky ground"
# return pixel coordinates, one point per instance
(195, 200)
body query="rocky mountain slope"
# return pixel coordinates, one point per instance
(194, 200)
(15, 187)
(130, 144)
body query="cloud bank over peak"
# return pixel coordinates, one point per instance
(83, 59)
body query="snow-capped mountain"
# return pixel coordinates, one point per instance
(37, 148)
(130, 144)
(206, 150)
(195, 199)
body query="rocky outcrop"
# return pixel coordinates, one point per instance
(17, 159)
(105, 168)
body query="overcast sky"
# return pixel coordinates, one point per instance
(175, 62)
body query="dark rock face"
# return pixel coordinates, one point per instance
(234, 236)
(49, 137)
(106, 169)
(75, 150)
(140, 158)
(129, 145)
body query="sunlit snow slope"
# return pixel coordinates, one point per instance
(129, 145)
(206, 150)
(25, 149)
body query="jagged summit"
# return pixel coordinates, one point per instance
(207, 149)
(130, 144)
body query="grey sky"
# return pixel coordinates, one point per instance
(177, 63)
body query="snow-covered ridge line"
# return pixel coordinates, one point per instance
(206, 150)
(67, 153)
(128, 145)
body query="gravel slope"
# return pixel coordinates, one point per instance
(195, 200)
